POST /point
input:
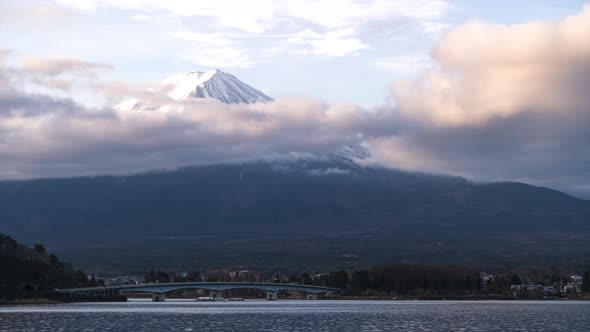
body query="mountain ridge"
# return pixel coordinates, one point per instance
(214, 84)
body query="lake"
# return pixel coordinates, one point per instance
(288, 315)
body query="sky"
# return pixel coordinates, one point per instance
(489, 90)
(339, 51)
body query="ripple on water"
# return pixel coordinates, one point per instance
(300, 316)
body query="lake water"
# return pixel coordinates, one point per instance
(184, 315)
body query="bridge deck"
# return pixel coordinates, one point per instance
(214, 286)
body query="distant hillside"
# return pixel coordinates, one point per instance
(294, 214)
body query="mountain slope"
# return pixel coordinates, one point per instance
(301, 213)
(214, 84)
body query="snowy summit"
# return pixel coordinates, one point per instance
(214, 84)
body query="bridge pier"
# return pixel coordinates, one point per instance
(272, 295)
(214, 295)
(158, 297)
(312, 296)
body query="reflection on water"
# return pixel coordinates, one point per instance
(182, 315)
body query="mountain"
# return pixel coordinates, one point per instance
(316, 213)
(214, 84)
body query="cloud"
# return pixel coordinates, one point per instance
(38, 14)
(262, 15)
(53, 75)
(59, 137)
(208, 39)
(226, 57)
(333, 43)
(503, 103)
(405, 65)
(63, 138)
(59, 66)
(320, 28)
(348, 13)
(545, 149)
(5, 53)
(499, 103)
(489, 70)
(140, 17)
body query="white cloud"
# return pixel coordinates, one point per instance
(324, 28)
(350, 13)
(86, 5)
(491, 70)
(250, 16)
(223, 57)
(257, 16)
(332, 43)
(39, 14)
(59, 66)
(204, 39)
(140, 17)
(433, 27)
(405, 65)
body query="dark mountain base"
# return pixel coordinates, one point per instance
(328, 213)
(317, 252)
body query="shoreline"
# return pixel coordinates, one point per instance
(29, 302)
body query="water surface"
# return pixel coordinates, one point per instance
(184, 315)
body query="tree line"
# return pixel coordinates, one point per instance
(400, 279)
(438, 280)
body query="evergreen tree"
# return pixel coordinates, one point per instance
(478, 282)
(359, 281)
(306, 279)
(338, 279)
(586, 281)
(40, 249)
(7, 242)
(53, 259)
(515, 280)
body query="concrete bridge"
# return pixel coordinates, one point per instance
(159, 290)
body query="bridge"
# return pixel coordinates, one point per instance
(159, 290)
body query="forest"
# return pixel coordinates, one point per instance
(30, 272)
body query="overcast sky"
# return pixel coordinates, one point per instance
(490, 90)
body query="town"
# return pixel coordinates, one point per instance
(395, 282)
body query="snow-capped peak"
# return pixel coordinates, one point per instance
(214, 84)
(183, 85)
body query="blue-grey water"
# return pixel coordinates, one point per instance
(183, 315)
